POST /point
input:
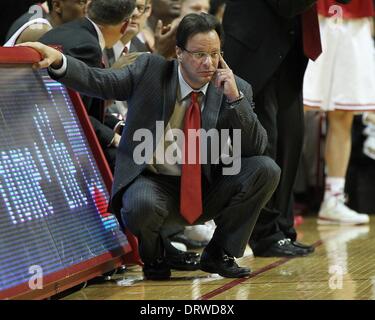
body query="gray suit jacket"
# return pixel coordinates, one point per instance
(150, 87)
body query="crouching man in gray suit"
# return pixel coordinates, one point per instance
(196, 91)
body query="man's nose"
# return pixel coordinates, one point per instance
(207, 60)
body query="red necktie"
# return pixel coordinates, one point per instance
(312, 45)
(191, 185)
(125, 50)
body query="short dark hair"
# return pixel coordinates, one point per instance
(110, 12)
(193, 24)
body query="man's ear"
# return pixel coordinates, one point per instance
(56, 6)
(124, 26)
(178, 53)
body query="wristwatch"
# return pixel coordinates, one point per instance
(236, 102)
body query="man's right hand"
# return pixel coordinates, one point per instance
(165, 38)
(126, 59)
(51, 56)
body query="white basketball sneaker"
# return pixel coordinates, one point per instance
(334, 211)
(201, 232)
(179, 246)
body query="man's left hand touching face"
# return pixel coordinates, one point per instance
(225, 80)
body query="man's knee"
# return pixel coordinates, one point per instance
(139, 213)
(271, 169)
(266, 168)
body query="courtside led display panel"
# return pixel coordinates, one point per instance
(53, 201)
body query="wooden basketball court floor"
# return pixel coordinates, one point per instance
(342, 267)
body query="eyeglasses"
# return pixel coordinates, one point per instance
(142, 9)
(202, 56)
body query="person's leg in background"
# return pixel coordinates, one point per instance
(333, 209)
(290, 124)
(279, 108)
(341, 81)
(266, 230)
(360, 177)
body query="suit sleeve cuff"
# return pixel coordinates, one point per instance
(60, 71)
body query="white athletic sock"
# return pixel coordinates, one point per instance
(334, 187)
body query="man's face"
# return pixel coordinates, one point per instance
(166, 8)
(200, 58)
(139, 17)
(194, 6)
(72, 9)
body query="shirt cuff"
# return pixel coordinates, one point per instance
(60, 71)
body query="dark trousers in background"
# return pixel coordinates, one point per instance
(151, 203)
(360, 188)
(279, 107)
(360, 176)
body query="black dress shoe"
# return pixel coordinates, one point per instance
(184, 261)
(172, 251)
(222, 264)
(298, 244)
(157, 270)
(282, 248)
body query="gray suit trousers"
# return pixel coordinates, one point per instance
(151, 203)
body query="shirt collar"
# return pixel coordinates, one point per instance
(100, 34)
(185, 89)
(119, 47)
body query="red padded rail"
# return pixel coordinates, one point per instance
(19, 55)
